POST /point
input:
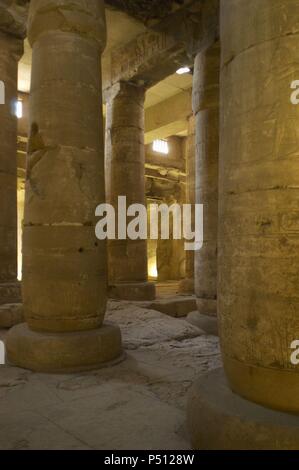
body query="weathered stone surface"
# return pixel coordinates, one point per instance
(258, 235)
(10, 292)
(64, 265)
(187, 285)
(133, 291)
(10, 315)
(167, 289)
(10, 52)
(170, 258)
(146, 9)
(207, 323)
(168, 117)
(207, 306)
(13, 17)
(85, 19)
(139, 61)
(193, 24)
(144, 327)
(11, 48)
(64, 352)
(178, 306)
(206, 110)
(218, 419)
(125, 176)
(202, 26)
(118, 407)
(61, 254)
(170, 252)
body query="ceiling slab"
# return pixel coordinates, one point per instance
(171, 86)
(121, 29)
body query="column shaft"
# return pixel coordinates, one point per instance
(125, 176)
(206, 110)
(187, 284)
(259, 181)
(11, 50)
(64, 265)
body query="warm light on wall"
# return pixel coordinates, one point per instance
(21, 199)
(19, 109)
(152, 268)
(183, 70)
(161, 146)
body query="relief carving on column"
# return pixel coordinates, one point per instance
(142, 53)
(13, 17)
(146, 10)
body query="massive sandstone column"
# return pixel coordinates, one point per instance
(187, 284)
(12, 32)
(125, 176)
(258, 235)
(206, 110)
(259, 183)
(64, 265)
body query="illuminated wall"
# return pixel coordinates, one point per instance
(21, 197)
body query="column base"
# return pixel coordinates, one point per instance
(133, 291)
(11, 309)
(186, 286)
(207, 323)
(11, 315)
(63, 352)
(218, 419)
(268, 386)
(207, 306)
(10, 293)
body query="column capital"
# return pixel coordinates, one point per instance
(85, 19)
(13, 17)
(123, 87)
(205, 82)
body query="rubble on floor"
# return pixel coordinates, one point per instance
(137, 404)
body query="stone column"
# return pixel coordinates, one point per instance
(125, 176)
(64, 265)
(187, 284)
(170, 252)
(206, 110)
(259, 177)
(12, 32)
(258, 235)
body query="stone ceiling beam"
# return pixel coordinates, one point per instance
(195, 23)
(146, 60)
(168, 117)
(148, 11)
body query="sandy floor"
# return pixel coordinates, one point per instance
(137, 404)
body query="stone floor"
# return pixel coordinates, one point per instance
(137, 404)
